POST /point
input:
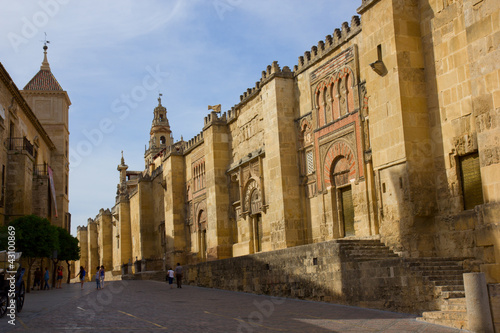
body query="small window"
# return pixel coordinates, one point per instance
(470, 175)
(310, 162)
(162, 140)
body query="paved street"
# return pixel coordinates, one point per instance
(150, 306)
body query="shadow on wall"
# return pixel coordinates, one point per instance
(319, 272)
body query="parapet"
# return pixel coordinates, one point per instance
(194, 142)
(331, 42)
(81, 228)
(270, 73)
(213, 118)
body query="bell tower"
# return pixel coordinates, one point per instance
(160, 135)
(50, 103)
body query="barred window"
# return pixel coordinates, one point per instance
(470, 175)
(310, 162)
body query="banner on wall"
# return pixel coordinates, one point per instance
(52, 188)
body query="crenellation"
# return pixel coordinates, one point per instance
(337, 36)
(307, 57)
(328, 41)
(345, 29)
(355, 21)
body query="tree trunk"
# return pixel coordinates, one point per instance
(31, 261)
(55, 262)
(69, 271)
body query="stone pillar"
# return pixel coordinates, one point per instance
(478, 306)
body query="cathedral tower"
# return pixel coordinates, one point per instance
(160, 134)
(50, 103)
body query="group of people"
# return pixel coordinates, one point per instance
(177, 274)
(46, 276)
(99, 276)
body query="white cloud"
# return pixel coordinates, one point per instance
(99, 50)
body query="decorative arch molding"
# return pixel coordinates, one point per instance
(339, 157)
(306, 133)
(201, 215)
(252, 202)
(335, 96)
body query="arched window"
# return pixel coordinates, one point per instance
(162, 140)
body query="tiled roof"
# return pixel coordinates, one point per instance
(43, 80)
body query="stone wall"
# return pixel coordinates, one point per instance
(319, 272)
(494, 292)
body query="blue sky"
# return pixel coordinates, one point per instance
(114, 57)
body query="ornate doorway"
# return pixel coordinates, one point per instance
(256, 216)
(347, 210)
(202, 234)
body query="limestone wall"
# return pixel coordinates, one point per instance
(82, 237)
(318, 272)
(105, 240)
(93, 247)
(175, 211)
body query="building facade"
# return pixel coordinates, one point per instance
(34, 140)
(387, 129)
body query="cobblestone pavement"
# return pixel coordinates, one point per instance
(151, 306)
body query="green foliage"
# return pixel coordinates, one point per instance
(68, 246)
(35, 236)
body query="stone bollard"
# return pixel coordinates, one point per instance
(478, 305)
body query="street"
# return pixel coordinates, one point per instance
(151, 306)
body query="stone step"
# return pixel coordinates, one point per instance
(363, 253)
(435, 259)
(373, 258)
(454, 304)
(441, 278)
(427, 272)
(439, 264)
(449, 287)
(358, 241)
(452, 294)
(439, 268)
(457, 319)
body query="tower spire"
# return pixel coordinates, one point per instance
(45, 63)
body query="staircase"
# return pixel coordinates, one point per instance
(445, 275)
(365, 249)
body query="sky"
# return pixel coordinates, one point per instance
(114, 58)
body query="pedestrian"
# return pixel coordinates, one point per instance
(46, 279)
(59, 277)
(98, 277)
(101, 276)
(82, 275)
(178, 275)
(170, 277)
(38, 279)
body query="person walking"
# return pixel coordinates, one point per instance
(38, 279)
(59, 277)
(170, 277)
(98, 278)
(178, 275)
(101, 276)
(82, 275)
(46, 278)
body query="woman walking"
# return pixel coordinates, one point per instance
(59, 277)
(82, 275)
(101, 275)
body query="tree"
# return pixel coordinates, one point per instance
(35, 238)
(69, 249)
